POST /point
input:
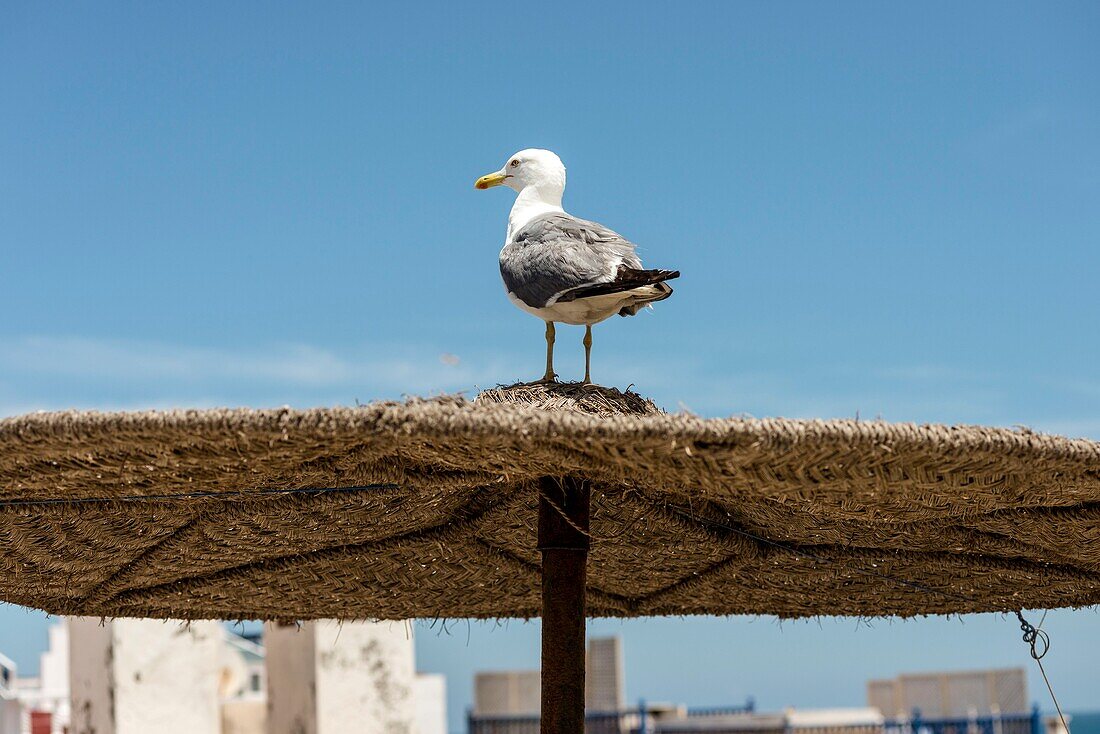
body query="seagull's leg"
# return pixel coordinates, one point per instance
(587, 354)
(549, 376)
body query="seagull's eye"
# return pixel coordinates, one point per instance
(514, 164)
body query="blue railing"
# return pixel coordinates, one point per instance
(627, 721)
(640, 720)
(748, 707)
(1019, 723)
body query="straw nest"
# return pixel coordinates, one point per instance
(574, 396)
(226, 513)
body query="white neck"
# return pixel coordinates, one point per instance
(532, 202)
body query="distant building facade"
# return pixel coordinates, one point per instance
(604, 683)
(951, 694)
(513, 693)
(11, 711)
(508, 693)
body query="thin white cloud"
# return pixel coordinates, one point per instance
(15, 407)
(91, 358)
(54, 373)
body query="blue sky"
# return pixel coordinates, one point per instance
(878, 208)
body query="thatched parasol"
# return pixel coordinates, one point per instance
(441, 508)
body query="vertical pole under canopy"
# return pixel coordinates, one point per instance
(563, 541)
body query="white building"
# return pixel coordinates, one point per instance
(11, 712)
(47, 694)
(332, 678)
(431, 703)
(7, 675)
(132, 676)
(202, 678)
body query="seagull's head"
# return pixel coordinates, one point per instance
(537, 168)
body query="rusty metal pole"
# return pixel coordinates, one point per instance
(563, 541)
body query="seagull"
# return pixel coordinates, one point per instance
(561, 268)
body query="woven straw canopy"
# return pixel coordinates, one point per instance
(189, 514)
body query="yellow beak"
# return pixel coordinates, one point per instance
(490, 180)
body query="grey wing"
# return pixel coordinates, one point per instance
(556, 253)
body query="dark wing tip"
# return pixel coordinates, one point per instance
(626, 279)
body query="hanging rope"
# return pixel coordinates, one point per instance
(1039, 641)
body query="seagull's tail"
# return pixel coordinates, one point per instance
(656, 289)
(645, 297)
